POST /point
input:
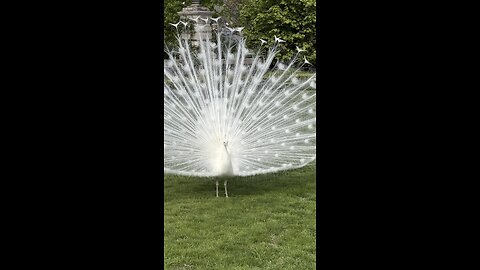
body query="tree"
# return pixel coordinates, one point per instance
(230, 11)
(291, 20)
(171, 9)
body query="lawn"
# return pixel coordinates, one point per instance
(268, 222)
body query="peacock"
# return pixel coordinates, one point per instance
(229, 111)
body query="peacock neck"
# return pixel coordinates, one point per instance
(226, 151)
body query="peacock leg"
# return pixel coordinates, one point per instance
(217, 189)
(226, 192)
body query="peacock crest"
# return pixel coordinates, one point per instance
(229, 111)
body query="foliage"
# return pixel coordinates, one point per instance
(230, 11)
(290, 20)
(171, 9)
(268, 222)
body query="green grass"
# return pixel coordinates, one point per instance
(268, 222)
(300, 74)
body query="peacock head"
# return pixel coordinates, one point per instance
(225, 143)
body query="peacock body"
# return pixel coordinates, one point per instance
(228, 114)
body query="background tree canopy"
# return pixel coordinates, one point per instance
(291, 20)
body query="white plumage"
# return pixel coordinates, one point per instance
(227, 116)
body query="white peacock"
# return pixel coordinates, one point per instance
(226, 114)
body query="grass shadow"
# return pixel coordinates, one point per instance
(293, 181)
